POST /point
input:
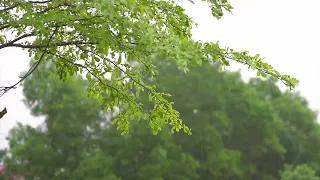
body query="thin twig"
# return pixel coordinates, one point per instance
(31, 70)
(94, 75)
(166, 106)
(288, 83)
(38, 46)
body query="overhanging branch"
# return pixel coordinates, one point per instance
(39, 46)
(5, 89)
(95, 76)
(12, 43)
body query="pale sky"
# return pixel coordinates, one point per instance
(285, 32)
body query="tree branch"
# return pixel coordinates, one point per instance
(11, 43)
(5, 89)
(4, 26)
(16, 5)
(95, 76)
(9, 8)
(39, 46)
(3, 112)
(229, 56)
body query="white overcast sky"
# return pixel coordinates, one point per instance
(286, 32)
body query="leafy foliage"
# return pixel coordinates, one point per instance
(62, 147)
(77, 142)
(263, 127)
(301, 172)
(240, 130)
(300, 129)
(103, 38)
(233, 130)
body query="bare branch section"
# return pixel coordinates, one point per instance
(3, 112)
(5, 89)
(39, 46)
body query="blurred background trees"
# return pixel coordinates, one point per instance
(240, 130)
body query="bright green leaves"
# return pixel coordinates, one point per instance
(163, 113)
(252, 62)
(263, 69)
(217, 7)
(113, 43)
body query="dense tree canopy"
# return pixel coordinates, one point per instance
(268, 127)
(240, 131)
(106, 38)
(301, 172)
